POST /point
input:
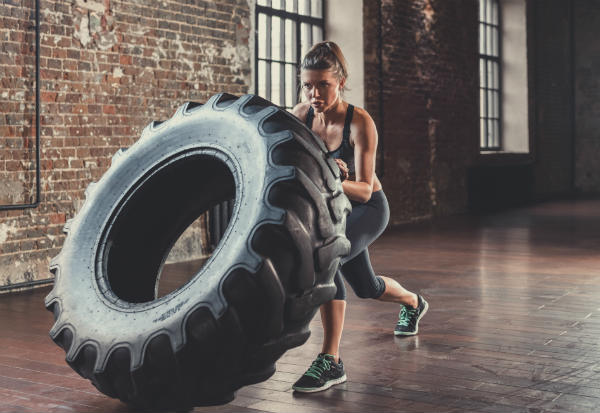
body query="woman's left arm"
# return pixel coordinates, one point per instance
(365, 149)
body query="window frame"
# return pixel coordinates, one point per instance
(298, 19)
(495, 59)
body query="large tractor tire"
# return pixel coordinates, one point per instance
(250, 302)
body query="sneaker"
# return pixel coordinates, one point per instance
(323, 373)
(408, 319)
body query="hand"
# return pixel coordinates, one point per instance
(344, 172)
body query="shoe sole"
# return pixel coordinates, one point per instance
(324, 387)
(398, 333)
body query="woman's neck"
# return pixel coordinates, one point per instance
(334, 113)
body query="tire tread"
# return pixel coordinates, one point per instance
(268, 310)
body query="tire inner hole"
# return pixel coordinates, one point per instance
(180, 212)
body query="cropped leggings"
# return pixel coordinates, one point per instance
(364, 225)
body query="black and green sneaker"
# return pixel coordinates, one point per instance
(408, 319)
(323, 373)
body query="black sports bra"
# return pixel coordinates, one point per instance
(345, 151)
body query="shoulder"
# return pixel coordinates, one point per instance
(363, 124)
(301, 110)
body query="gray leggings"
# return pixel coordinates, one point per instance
(364, 225)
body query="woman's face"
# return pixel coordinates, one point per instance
(321, 88)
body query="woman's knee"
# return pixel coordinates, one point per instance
(365, 292)
(372, 290)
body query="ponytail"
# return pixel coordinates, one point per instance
(326, 56)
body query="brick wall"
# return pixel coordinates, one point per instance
(587, 95)
(107, 69)
(430, 128)
(553, 96)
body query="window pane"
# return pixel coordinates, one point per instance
(495, 12)
(495, 42)
(490, 74)
(262, 36)
(277, 4)
(290, 85)
(488, 11)
(262, 79)
(276, 38)
(317, 34)
(481, 10)
(481, 73)
(264, 3)
(482, 101)
(290, 41)
(488, 40)
(496, 133)
(304, 7)
(316, 8)
(490, 133)
(305, 38)
(497, 104)
(291, 6)
(276, 83)
(482, 133)
(482, 38)
(496, 84)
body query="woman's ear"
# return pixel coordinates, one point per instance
(342, 83)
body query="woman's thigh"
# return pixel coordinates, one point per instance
(366, 223)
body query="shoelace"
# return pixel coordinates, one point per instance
(406, 314)
(318, 367)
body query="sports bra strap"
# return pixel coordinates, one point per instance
(347, 123)
(309, 117)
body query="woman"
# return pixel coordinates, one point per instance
(350, 135)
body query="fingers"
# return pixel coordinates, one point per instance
(343, 169)
(341, 163)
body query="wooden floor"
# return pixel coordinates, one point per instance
(513, 326)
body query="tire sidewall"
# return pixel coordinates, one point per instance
(228, 134)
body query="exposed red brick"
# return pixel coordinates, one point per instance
(109, 109)
(429, 129)
(98, 99)
(125, 60)
(58, 218)
(48, 96)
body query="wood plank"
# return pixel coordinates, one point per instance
(514, 325)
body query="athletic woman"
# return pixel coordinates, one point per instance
(350, 136)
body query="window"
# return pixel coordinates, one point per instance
(489, 76)
(286, 30)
